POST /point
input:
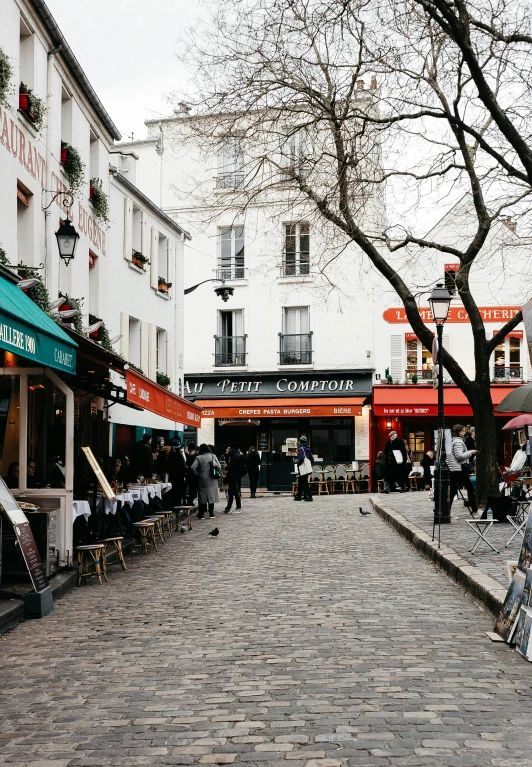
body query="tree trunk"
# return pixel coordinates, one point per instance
(486, 442)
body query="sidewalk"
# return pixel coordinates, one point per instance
(484, 573)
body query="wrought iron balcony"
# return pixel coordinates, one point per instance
(422, 375)
(231, 273)
(295, 349)
(230, 180)
(229, 351)
(514, 371)
(295, 268)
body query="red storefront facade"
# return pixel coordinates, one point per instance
(412, 410)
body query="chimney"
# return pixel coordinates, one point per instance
(360, 85)
(373, 83)
(183, 109)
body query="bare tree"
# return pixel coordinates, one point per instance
(447, 113)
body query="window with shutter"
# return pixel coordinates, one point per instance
(296, 339)
(396, 357)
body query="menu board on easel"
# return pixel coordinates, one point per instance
(25, 537)
(263, 441)
(100, 476)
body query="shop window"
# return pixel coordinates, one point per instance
(296, 249)
(231, 253)
(9, 428)
(134, 341)
(46, 433)
(507, 358)
(416, 442)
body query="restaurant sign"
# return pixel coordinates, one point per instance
(150, 396)
(337, 383)
(456, 314)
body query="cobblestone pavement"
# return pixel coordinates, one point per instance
(418, 508)
(304, 635)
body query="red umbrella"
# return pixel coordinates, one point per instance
(521, 420)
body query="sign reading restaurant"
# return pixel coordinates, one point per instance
(338, 383)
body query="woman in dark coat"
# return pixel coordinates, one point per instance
(394, 470)
(253, 459)
(207, 484)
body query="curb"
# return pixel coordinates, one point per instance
(483, 587)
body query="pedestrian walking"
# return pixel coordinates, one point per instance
(426, 463)
(394, 462)
(253, 464)
(304, 469)
(206, 468)
(460, 467)
(177, 472)
(192, 480)
(235, 469)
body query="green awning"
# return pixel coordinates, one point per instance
(29, 332)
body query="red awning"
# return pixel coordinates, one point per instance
(420, 400)
(150, 396)
(284, 407)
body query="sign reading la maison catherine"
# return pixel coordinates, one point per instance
(315, 383)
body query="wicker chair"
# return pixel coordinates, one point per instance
(321, 483)
(329, 476)
(340, 477)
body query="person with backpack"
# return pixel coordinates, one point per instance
(304, 468)
(236, 468)
(206, 468)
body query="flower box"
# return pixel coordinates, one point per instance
(137, 262)
(65, 308)
(95, 333)
(64, 155)
(162, 287)
(24, 102)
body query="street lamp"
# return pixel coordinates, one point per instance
(439, 302)
(224, 292)
(67, 240)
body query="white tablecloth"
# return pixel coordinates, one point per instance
(80, 509)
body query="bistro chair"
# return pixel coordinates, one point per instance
(350, 480)
(363, 478)
(146, 531)
(329, 476)
(340, 477)
(318, 479)
(94, 552)
(117, 543)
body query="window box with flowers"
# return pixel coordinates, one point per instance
(163, 380)
(101, 334)
(73, 166)
(99, 200)
(162, 285)
(72, 303)
(139, 260)
(32, 106)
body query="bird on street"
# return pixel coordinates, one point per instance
(214, 532)
(363, 511)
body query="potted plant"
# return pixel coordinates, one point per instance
(38, 293)
(101, 334)
(73, 303)
(6, 73)
(32, 106)
(135, 367)
(73, 166)
(163, 286)
(99, 200)
(138, 259)
(414, 378)
(163, 380)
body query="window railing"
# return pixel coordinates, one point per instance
(514, 371)
(231, 273)
(295, 269)
(295, 349)
(230, 180)
(423, 375)
(229, 351)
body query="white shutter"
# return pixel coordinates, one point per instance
(145, 347)
(290, 321)
(124, 330)
(238, 322)
(170, 261)
(304, 320)
(128, 227)
(154, 259)
(396, 357)
(170, 362)
(152, 346)
(144, 242)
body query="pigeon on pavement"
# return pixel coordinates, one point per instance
(363, 512)
(214, 532)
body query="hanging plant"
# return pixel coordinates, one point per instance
(74, 303)
(33, 107)
(99, 200)
(163, 380)
(38, 294)
(103, 334)
(3, 257)
(73, 166)
(139, 370)
(6, 73)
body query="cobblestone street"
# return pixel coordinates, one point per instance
(304, 634)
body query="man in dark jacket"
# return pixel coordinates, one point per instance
(394, 471)
(303, 489)
(143, 457)
(236, 468)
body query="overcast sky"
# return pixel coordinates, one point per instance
(127, 49)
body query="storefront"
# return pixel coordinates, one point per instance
(271, 410)
(412, 410)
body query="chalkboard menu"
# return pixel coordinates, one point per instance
(263, 441)
(25, 537)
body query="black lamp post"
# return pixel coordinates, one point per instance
(224, 292)
(67, 240)
(440, 301)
